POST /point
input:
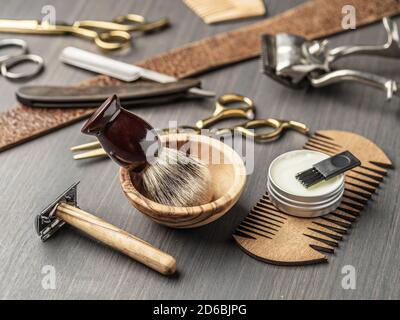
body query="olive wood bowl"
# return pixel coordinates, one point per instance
(228, 177)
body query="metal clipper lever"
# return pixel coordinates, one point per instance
(373, 80)
(390, 49)
(297, 62)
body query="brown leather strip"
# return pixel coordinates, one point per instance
(22, 124)
(313, 19)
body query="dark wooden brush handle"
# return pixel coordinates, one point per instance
(118, 239)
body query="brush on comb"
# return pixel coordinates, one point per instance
(328, 168)
(278, 238)
(213, 11)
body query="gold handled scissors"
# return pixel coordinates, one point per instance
(225, 108)
(107, 35)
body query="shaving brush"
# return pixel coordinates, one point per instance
(168, 176)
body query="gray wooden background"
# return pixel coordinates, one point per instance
(210, 264)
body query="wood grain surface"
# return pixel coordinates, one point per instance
(210, 263)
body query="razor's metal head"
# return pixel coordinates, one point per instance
(46, 222)
(289, 59)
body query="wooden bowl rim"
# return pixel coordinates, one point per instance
(161, 210)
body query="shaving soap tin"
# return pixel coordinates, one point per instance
(290, 196)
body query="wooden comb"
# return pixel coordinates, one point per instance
(278, 238)
(213, 11)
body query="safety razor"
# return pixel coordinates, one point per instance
(64, 210)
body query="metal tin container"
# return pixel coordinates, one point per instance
(290, 196)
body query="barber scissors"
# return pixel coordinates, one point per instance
(226, 107)
(7, 61)
(107, 35)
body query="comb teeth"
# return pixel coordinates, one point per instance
(275, 237)
(212, 11)
(309, 177)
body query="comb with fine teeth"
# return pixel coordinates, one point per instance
(278, 238)
(213, 11)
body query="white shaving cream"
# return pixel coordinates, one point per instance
(289, 195)
(285, 168)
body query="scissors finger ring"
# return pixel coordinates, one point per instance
(15, 60)
(21, 44)
(112, 40)
(278, 127)
(223, 111)
(135, 22)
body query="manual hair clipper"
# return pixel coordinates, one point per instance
(296, 62)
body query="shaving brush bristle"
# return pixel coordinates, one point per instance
(177, 179)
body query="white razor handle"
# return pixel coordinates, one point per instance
(120, 70)
(99, 64)
(110, 67)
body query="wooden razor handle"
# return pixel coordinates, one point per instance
(116, 238)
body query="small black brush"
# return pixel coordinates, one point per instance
(328, 168)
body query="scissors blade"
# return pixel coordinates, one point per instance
(117, 69)
(23, 25)
(34, 27)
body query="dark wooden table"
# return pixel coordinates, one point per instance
(210, 264)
